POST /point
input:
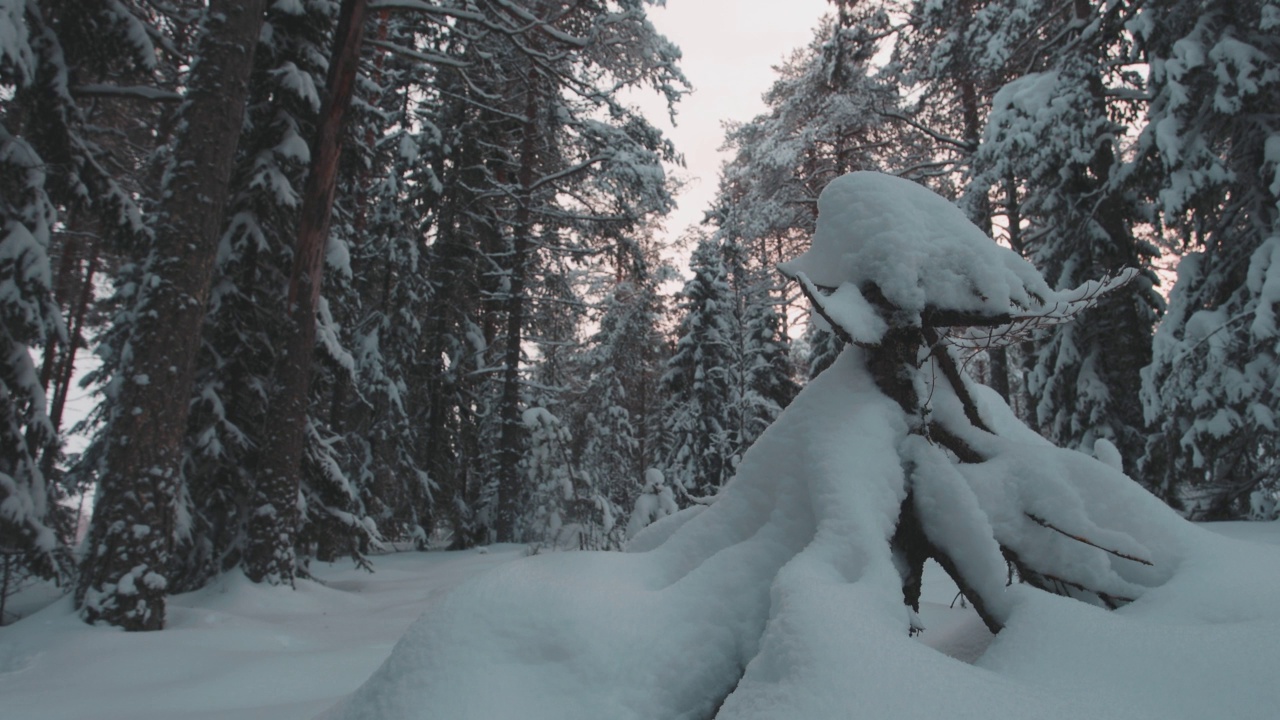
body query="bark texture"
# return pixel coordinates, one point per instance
(123, 578)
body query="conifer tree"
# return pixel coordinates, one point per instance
(382, 414)
(698, 382)
(124, 575)
(1209, 144)
(294, 435)
(227, 433)
(618, 400)
(554, 182)
(28, 318)
(1055, 133)
(54, 171)
(823, 121)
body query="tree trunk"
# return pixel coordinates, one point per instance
(124, 575)
(273, 524)
(66, 365)
(512, 434)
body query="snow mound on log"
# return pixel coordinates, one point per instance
(918, 248)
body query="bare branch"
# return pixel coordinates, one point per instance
(1045, 523)
(430, 58)
(133, 92)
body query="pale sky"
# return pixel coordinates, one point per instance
(730, 48)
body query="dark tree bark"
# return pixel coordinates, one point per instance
(124, 575)
(512, 434)
(66, 361)
(273, 525)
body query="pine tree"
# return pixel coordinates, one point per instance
(823, 121)
(52, 168)
(294, 435)
(766, 382)
(28, 318)
(617, 401)
(563, 508)
(459, 324)
(560, 168)
(822, 345)
(242, 327)
(385, 425)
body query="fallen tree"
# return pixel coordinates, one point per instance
(952, 288)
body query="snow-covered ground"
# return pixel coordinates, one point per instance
(231, 651)
(236, 651)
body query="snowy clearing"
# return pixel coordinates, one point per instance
(235, 651)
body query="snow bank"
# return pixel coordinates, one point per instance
(233, 651)
(667, 633)
(1198, 647)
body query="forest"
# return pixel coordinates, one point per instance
(348, 275)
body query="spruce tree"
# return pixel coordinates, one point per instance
(58, 168)
(1055, 132)
(699, 381)
(618, 399)
(241, 331)
(293, 433)
(1208, 145)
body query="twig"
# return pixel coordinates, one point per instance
(1045, 523)
(947, 363)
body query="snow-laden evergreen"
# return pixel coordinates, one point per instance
(52, 169)
(618, 400)
(730, 374)
(556, 169)
(698, 384)
(823, 120)
(1212, 141)
(1053, 140)
(126, 566)
(246, 307)
(384, 424)
(28, 318)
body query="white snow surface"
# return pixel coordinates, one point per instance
(782, 600)
(239, 652)
(232, 651)
(918, 247)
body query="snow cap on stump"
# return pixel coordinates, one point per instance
(916, 247)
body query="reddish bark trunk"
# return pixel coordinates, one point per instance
(273, 526)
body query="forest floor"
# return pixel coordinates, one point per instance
(238, 651)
